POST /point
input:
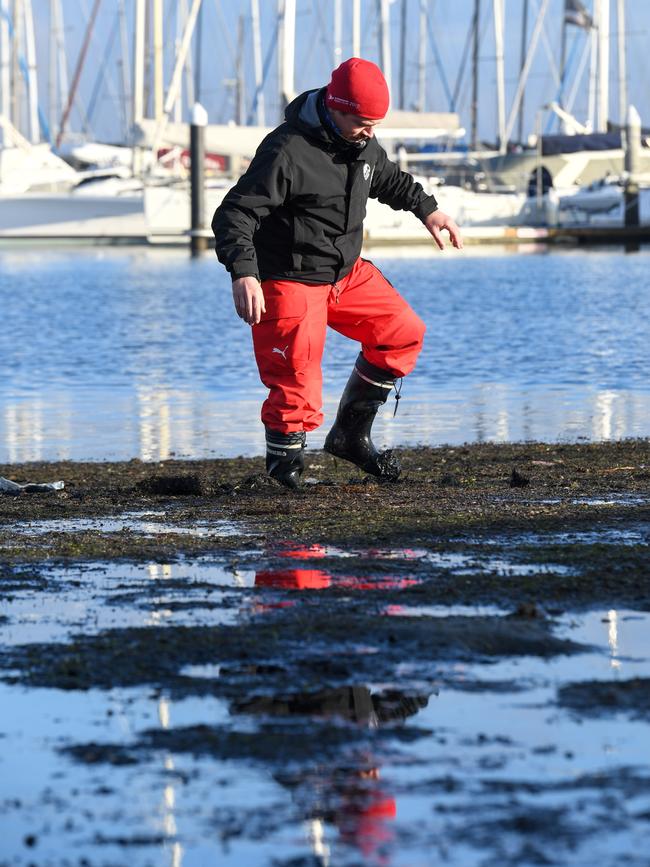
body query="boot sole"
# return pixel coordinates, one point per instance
(370, 470)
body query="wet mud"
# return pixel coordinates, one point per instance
(357, 673)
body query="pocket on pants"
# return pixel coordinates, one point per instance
(281, 338)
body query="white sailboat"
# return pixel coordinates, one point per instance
(136, 196)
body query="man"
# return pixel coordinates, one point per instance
(290, 234)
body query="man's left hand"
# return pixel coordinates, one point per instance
(437, 222)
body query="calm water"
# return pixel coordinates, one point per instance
(117, 354)
(494, 773)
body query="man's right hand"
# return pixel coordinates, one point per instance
(249, 299)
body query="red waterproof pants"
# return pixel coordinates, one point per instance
(290, 338)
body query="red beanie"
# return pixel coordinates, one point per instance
(358, 87)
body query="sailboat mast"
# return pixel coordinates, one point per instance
(198, 53)
(16, 77)
(522, 60)
(603, 65)
(338, 33)
(287, 45)
(124, 68)
(5, 68)
(356, 28)
(563, 39)
(181, 21)
(175, 83)
(138, 63)
(62, 63)
(32, 77)
(497, 6)
(181, 16)
(257, 60)
(77, 73)
(475, 45)
(402, 57)
(240, 88)
(138, 80)
(593, 67)
(51, 99)
(384, 43)
(157, 59)
(422, 56)
(622, 63)
(523, 78)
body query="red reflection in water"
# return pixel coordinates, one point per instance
(365, 825)
(395, 553)
(315, 552)
(293, 579)
(308, 553)
(382, 583)
(318, 579)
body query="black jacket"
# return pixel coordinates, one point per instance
(297, 212)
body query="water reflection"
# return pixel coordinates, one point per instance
(612, 638)
(169, 792)
(348, 795)
(111, 354)
(319, 579)
(356, 704)
(156, 422)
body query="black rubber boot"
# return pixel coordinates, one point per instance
(367, 389)
(284, 457)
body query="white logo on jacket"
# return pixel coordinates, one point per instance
(366, 171)
(282, 352)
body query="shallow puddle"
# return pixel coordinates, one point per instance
(133, 522)
(323, 746)
(444, 611)
(88, 599)
(636, 533)
(91, 598)
(457, 562)
(478, 765)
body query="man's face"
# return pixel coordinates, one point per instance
(353, 127)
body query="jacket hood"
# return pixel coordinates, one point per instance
(305, 114)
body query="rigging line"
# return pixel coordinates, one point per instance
(482, 31)
(312, 41)
(560, 90)
(555, 72)
(579, 74)
(198, 51)
(125, 70)
(101, 72)
(324, 40)
(523, 78)
(265, 68)
(226, 32)
(22, 65)
(463, 63)
(441, 68)
(373, 27)
(77, 75)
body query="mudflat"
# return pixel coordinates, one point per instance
(350, 628)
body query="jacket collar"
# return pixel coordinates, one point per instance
(308, 114)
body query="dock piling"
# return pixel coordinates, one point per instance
(198, 234)
(632, 161)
